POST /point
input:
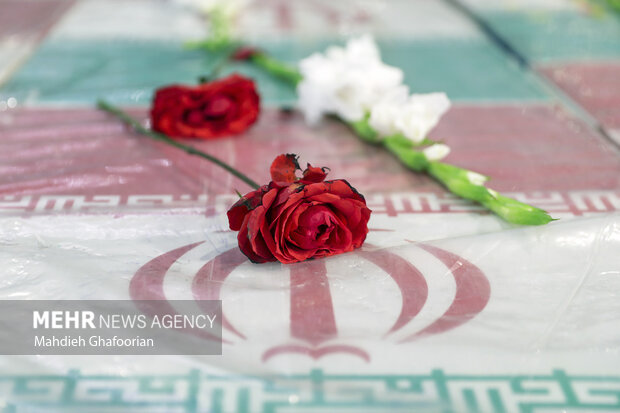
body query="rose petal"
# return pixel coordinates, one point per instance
(248, 202)
(309, 233)
(324, 198)
(284, 201)
(279, 227)
(283, 169)
(313, 175)
(361, 230)
(246, 247)
(268, 236)
(255, 222)
(269, 197)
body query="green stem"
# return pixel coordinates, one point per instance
(363, 130)
(135, 125)
(458, 181)
(220, 33)
(277, 68)
(411, 158)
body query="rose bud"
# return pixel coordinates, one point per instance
(293, 219)
(210, 110)
(244, 53)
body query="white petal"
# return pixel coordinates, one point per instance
(476, 178)
(421, 114)
(349, 80)
(387, 110)
(436, 152)
(362, 49)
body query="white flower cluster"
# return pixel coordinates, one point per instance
(352, 82)
(345, 81)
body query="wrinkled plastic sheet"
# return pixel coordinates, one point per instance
(533, 306)
(446, 308)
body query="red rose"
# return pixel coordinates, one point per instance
(223, 107)
(291, 219)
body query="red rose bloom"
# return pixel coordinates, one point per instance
(291, 220)
(223, 107)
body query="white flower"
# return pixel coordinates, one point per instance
(345, 81)
(385, 112)
(414, 116)
(436, 152)
(421, 114)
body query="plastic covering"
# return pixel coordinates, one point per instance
(445, 309)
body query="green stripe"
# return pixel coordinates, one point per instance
(127, 72)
